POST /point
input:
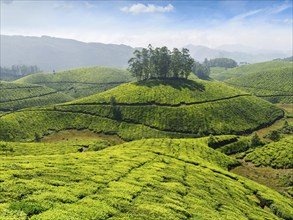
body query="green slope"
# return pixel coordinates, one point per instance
(81, 82)
(153, 108)
(221, 74)
(274, 85)
(14, 96)
(147, 179)
(276, 154)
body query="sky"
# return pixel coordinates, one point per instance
(259, 24)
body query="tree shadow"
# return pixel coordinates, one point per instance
(173, 82)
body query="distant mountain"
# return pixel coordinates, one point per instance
(251, 56)
(50, 53)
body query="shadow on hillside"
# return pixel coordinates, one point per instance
(175, 83)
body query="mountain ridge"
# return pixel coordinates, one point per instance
(52, 53)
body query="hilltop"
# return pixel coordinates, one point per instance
(153, 108)
(15, 96)
(81, 82)
(146, 179)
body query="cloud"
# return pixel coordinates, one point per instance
(278, 9)
(247, 14)
(150, 8)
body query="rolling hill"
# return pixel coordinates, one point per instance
(222, 74)
(81, 82)
(15, 96)
(154, 108)
(146, 179)
(274, 85)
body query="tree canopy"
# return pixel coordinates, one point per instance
(17, 71)
(201, 71)
(160, 62)
(221, 62)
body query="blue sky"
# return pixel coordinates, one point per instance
(258, 24)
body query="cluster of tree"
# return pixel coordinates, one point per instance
(150, 63)
(201, 71)
(17, 71)
(288, 59)
(220, 62)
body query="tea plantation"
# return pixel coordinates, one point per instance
(146, 179)
(222, 74)
(273, 85)
(81, 82)
(14, 96)
(275, 154)
(149, 109)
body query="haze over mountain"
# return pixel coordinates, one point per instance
(239, 53)
(50, 53)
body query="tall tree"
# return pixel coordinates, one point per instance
(176, 62)
(187, 62)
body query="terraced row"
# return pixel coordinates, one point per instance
(147, 179)
(14, 96)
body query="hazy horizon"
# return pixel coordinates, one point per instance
(260, 25)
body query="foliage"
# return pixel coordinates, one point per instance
(201, 71)
(241, 145)
(4, 147)
(274, 135)
(16, 96)
(276, 154)
(17, 71)
(161, 63)
(147, 179)
(255, 140)
(81, 82)
(221, 62)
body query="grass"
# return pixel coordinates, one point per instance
(288, 108)
(153, 108)
(277, 179)
(278, 125)
(81, 82)
(146, 179)
(79, 135)
(15, 96)
(64, 142)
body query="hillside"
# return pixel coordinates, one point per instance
(222, 74)
(50, 53)
(14, 96)
(276, 154)
(81, 82)
(154, 108)
(146, 179)
(273, 85)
